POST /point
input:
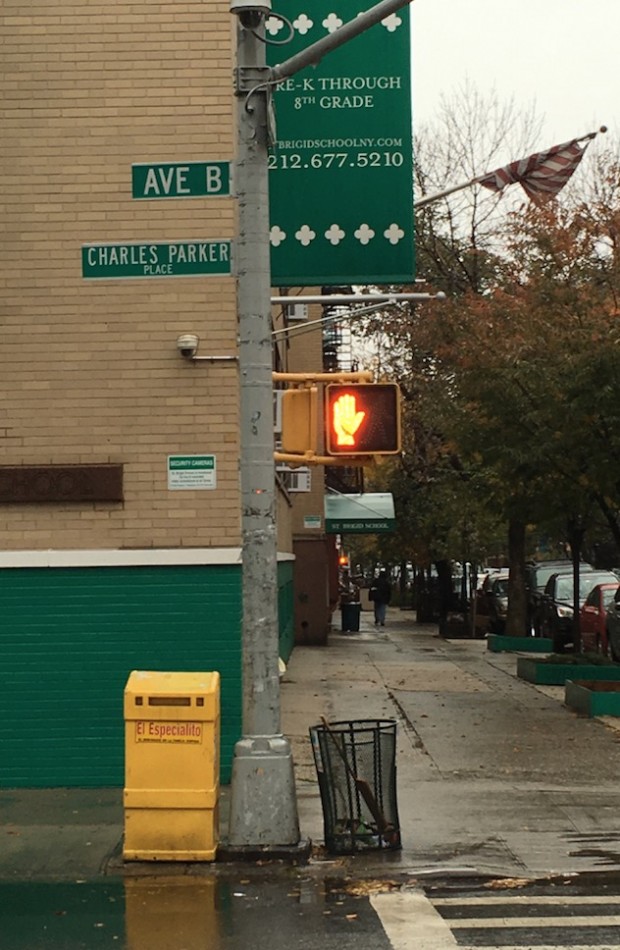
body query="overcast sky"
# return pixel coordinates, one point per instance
(563, 56)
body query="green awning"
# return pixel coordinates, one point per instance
(370, 513)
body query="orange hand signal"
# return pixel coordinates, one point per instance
(347, 419)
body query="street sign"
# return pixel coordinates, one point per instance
(181, 180)
(341, 171)
(178, 259)
(190, 472)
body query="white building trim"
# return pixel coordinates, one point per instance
(146, 557)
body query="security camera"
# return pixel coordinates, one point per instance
(245, 8)
(187, 345)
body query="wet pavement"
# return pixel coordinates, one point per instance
(230, 912)
(495, 775)
(497, 781)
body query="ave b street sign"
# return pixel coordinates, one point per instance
(181, 180)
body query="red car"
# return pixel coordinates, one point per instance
(592, 618)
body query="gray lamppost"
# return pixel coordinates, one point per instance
(263, 801)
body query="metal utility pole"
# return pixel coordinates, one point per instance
(263, 800)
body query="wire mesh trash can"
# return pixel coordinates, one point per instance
(356, 769)
(350, 615)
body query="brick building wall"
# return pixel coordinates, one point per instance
(91, 375)
(90, 370)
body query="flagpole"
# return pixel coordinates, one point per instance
(429, 199)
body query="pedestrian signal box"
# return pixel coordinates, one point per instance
(362, 419)
(299, 420)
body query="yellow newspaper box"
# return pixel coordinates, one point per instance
(172, 742)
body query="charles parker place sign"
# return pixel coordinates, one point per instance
(156, 259)
(341, 169)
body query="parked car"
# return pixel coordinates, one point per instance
(536, 576)
(612, 627)
(492, 604)
(556, 609)
(593, 617)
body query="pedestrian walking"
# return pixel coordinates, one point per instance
(380, 594)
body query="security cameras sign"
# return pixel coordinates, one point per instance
(191, 472)
(341, 170)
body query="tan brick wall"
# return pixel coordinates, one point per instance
(90, 370)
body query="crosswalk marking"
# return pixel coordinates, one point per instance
(411, 922)
(508, 921)
(504, 898)
(561, 920)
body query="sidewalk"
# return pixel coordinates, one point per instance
(495, 776)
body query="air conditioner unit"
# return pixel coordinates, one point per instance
(295, 479)
(297, 312)
(298, 480)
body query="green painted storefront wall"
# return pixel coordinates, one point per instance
(69, 639)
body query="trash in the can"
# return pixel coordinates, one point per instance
(356, 770)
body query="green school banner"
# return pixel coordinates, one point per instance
(341, 170)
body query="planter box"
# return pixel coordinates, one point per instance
(593, 697)
(499, 644)
(556, 674)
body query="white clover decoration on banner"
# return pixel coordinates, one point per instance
(334, 234)
(394, 234)
(276, 236)
(332, 22)
(303, 24)
(305, 235)
(273, 25)
(364, 234)
(392, 22)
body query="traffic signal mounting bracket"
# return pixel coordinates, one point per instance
(363, 376)
(350, 461)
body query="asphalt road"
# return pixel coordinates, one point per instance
(293, 911)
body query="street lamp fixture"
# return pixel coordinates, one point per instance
(250, 14)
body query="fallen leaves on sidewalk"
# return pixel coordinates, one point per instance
(507, 883)
(365, 888)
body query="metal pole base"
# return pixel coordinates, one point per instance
(263, 806)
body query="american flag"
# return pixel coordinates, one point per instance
(543, 174)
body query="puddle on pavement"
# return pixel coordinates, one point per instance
(170, 914)
(177, 913)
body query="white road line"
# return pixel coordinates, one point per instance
(538, 923)
(508, 898)
(411, 922)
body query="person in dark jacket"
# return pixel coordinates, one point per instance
(381, 594)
